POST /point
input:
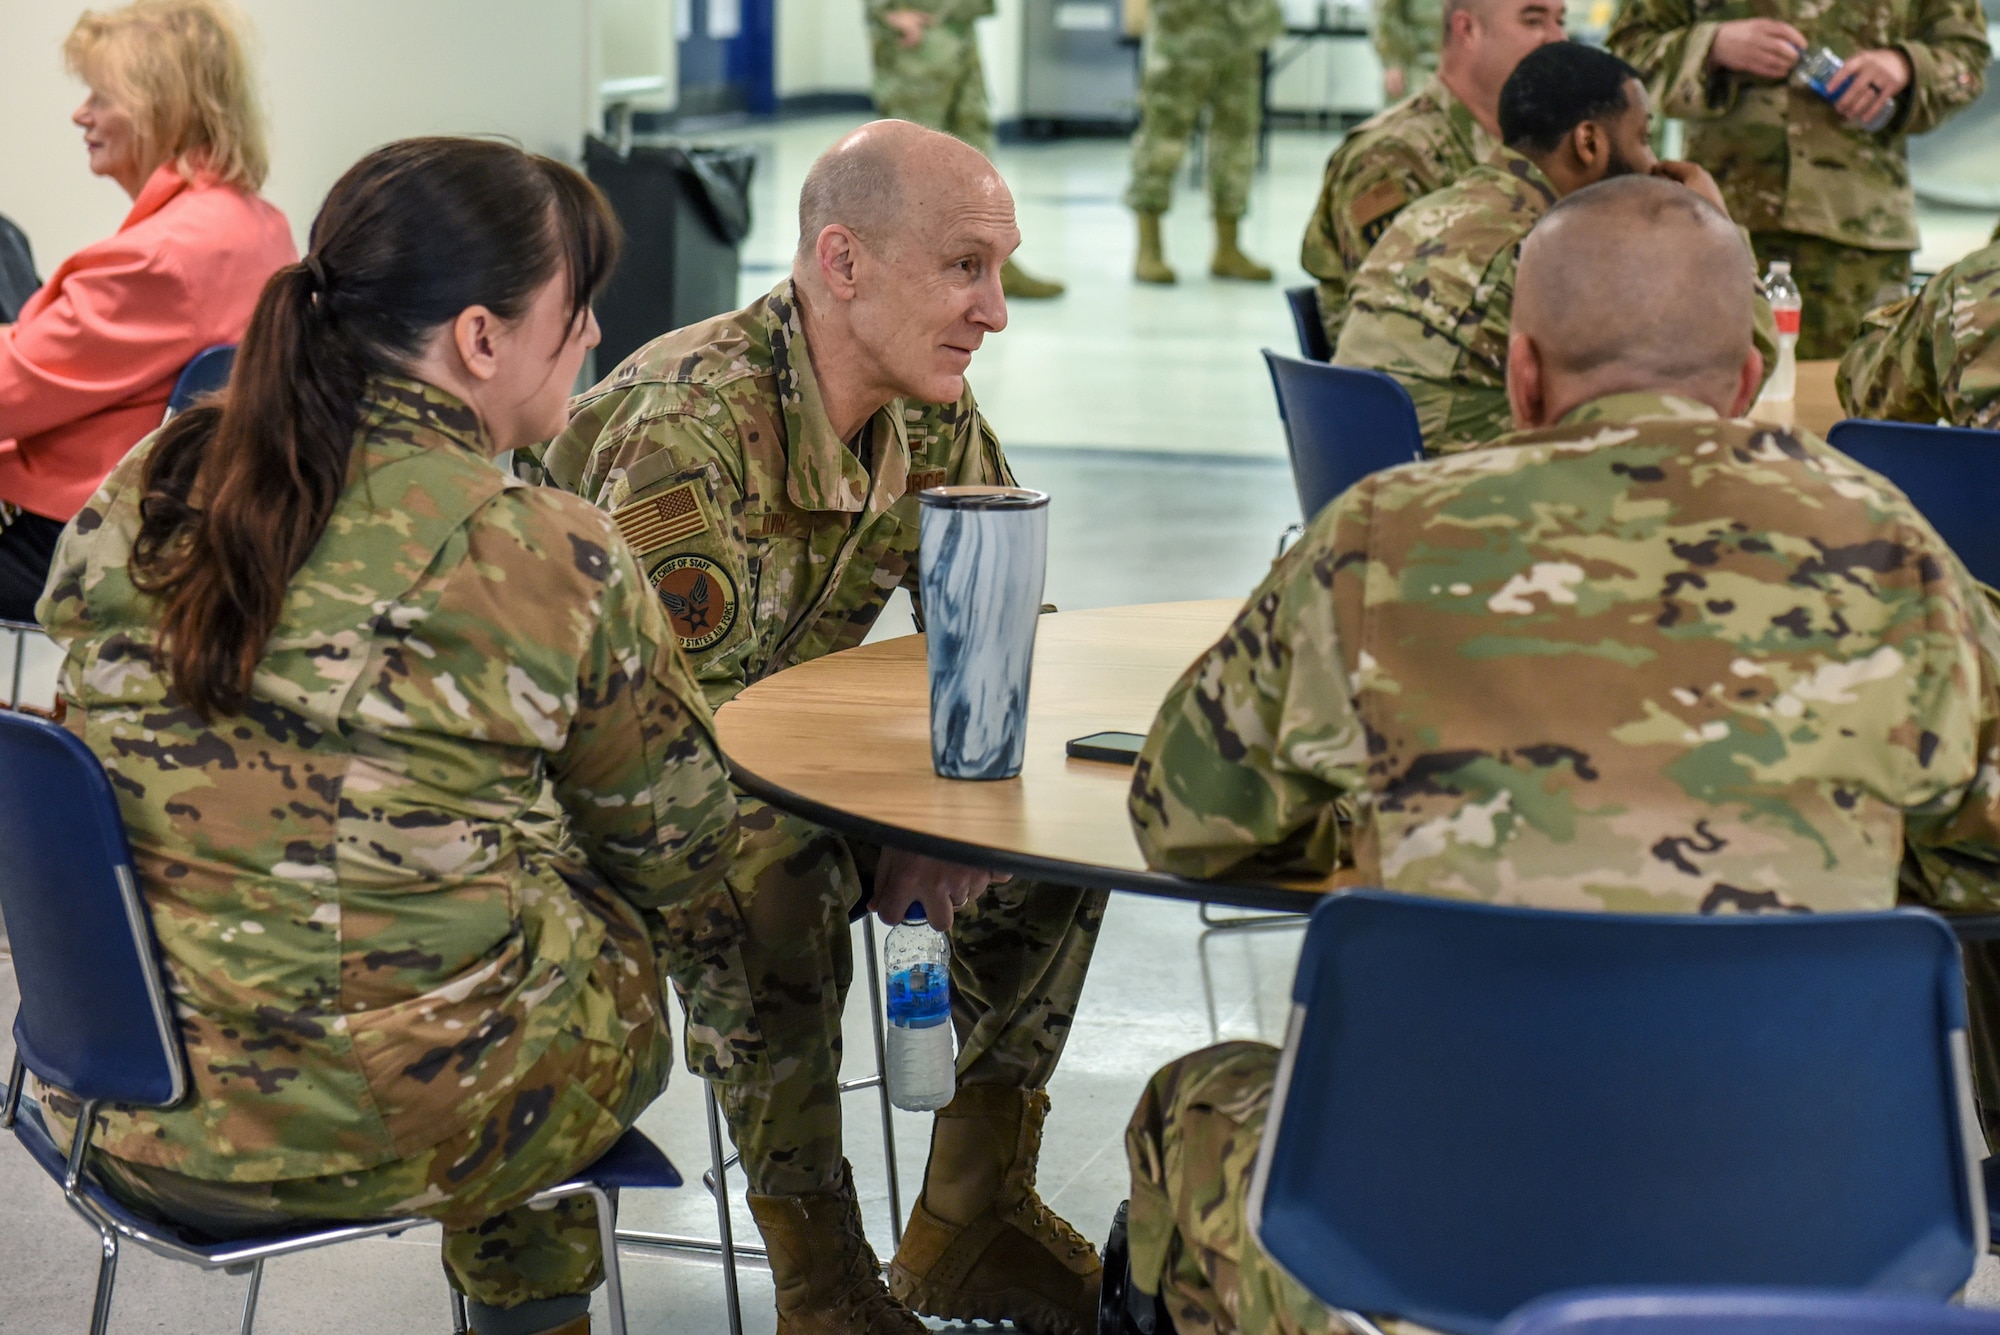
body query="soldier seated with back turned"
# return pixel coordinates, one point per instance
(1638, 656)
(1424, 143)
(1432, 304)
(1935, 356)
(764, 466)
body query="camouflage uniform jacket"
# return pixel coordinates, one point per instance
(364, 948)
(1932, 356)
(1432, 304)
(1646, 660)
(1225, 24)
(945, 11)
(768, 539)
(1423, 143)
(1785, 159)
(1407, 34)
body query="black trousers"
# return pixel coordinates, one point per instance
(27, 545)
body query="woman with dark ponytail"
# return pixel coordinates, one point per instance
(333, 656)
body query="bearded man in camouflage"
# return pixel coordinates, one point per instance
(1813, 185)
(1935, 356)
(1433, 303)
(1638, 656)
(1447, 128)
(765, 467)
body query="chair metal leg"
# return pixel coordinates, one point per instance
(875, 1008)
(107, 1276)
(1215, 924)
(15, 1079)
(250, 1298)
(20, 653)
(461, 1322)
(607, 1239)
(720, 1169)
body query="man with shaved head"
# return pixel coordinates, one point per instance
(1449, 126)
(764, 466)
(1640, 655)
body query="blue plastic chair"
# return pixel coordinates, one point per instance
(1952, 473)
(1304, 305)
(1744, 1312)
(94, 1020)
(1481, 1106)
(206, 374)
(1341, 424)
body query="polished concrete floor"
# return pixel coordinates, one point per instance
(1146, 414)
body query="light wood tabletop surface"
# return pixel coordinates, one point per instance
(1816, 406)
(845, 740)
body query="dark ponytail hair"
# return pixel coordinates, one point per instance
(237, 495)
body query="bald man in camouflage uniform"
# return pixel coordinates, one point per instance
(1636, 657)
(928, 70)
(1200, 54)
(1446, 128)
(1406, 36)
(398, 997)
(1933, 357)
(1812, 185)
(774, 537)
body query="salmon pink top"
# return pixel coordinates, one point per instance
(86, 370)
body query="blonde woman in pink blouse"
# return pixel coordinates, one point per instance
(86, 369)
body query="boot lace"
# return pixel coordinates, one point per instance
(1047, 1227)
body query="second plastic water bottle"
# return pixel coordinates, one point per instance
(920, 1073)
(1786, 306)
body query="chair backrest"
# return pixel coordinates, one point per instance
(1341, 424)
(1745, 1312)
(207, 373)
(18, 280)
(1304, 304)
(94, 1018)
(1952, 474)
(1480, 1106)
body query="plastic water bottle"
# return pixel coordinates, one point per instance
(921, 1074)
(1819, 69)
(1786, 306)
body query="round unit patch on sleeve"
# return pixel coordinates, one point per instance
(700, 599)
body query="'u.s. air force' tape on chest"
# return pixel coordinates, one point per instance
(672, 516)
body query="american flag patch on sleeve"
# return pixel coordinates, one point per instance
(652, 523)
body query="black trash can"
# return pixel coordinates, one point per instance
(685, 211)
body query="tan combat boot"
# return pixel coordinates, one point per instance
(1151, 266)
(826, 1274)
(981, 1245)
(1018, 282)
(1231, 262)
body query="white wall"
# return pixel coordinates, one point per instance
(338, 77)
(822, 47)
(635, 40)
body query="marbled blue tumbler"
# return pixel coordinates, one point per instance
(984, 551)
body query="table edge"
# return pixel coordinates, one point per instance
(1158, 884)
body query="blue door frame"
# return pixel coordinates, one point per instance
(729, 73)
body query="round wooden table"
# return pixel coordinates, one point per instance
(845, 741)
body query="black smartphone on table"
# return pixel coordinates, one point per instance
(1117, 748)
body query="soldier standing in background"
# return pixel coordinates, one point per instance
(1408, 660)
(1422, 144)
(1406, 40)
(1812, 185)
(927, 70)
(1200, 54)
(1935, 356)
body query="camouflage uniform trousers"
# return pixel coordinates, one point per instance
(938, 83)
(1192, 1143)
(1839, 284)
(1182, 79)
(765, 980)
(565, 1112)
